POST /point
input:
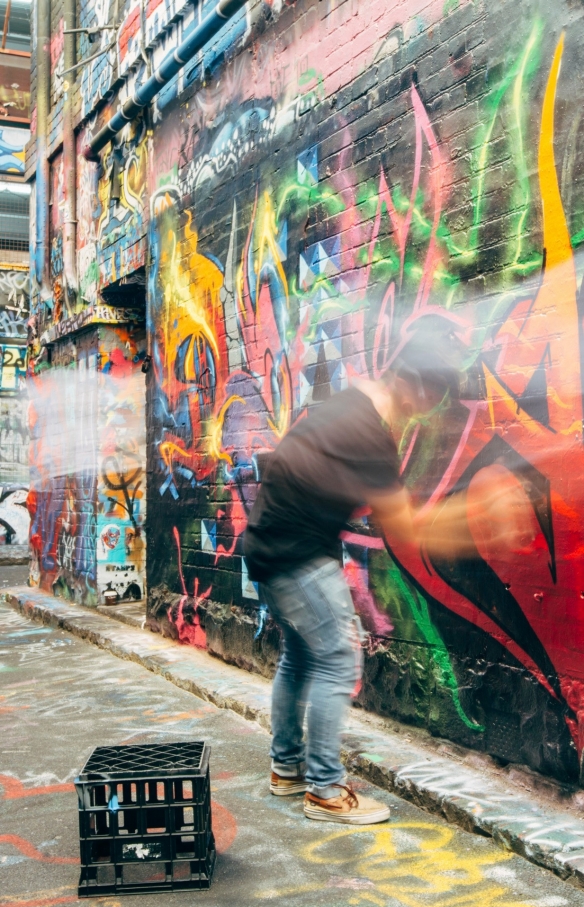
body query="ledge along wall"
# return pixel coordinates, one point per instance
(323, 181)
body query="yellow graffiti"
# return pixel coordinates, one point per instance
(556, 238)
(555, 303)
(215, 430)
(558, 294)
(283, 424)
(258, 302)
(267, 247)
(193, 340)
(417, 864)
(167, 451)
(15, 98)
(268, 243)
(191, 285)
(132, 188)
(134, 179)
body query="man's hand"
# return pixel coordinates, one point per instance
(493, 516)
(500, 515)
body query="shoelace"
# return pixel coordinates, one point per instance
(352, 796)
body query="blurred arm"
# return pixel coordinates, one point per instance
(495, 512)
(443, 531)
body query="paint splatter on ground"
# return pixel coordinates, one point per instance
(59, 698)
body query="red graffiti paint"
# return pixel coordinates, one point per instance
(13, 789)
(128, 31)
(188, 631)
(42, 902)
(224, 826)
(29, 850)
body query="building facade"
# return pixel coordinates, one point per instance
(14, 270)
(317, 183)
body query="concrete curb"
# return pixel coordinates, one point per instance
(11, 555)
(463, 787)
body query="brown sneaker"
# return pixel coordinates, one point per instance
(284, 787)
(348, 807)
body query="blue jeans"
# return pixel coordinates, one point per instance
(319, 667)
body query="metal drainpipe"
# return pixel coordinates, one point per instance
(70, 164)
(172, 63)
(43, 103)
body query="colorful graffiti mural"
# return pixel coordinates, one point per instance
(15, 89)
(14, 446)
(14, 467)
(112, 214)
(97, 77)
(121, 511)
(62, 500)
(120, 50)
(14, 518)
(14, 302)
(310, 248)
(122, 213)
(12, 145)
(87, 488)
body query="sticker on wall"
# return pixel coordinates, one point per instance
(109, 538)
(209, 536)
(320, 260)
(308, 167)
(124, 580)
(12, 145)
(248, 588)
(12, 367)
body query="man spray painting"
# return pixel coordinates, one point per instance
(342, 457)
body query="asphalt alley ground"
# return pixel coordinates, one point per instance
(13, 575)
(59, 698)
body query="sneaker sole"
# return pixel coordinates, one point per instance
(288, 790)
(321, 815)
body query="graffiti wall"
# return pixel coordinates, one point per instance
(362, 173)
(12, 145)
(15, 88)
(121, 539)
(58, 305)
(14, 302)
(14, 466)
(87, 496)
(63, 496)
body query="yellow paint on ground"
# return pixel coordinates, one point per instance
(417, 864)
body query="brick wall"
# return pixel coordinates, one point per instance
(87, 466)
(352, 176)
(121, 492)
(64, 448)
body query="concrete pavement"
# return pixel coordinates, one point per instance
(12, 574)
(521, 811)
(61, 697)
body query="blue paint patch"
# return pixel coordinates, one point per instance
(262, 617)
(307, 167)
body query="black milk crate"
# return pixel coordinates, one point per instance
(145, 819)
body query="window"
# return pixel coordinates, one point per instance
(14, 211)
(16, 25)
